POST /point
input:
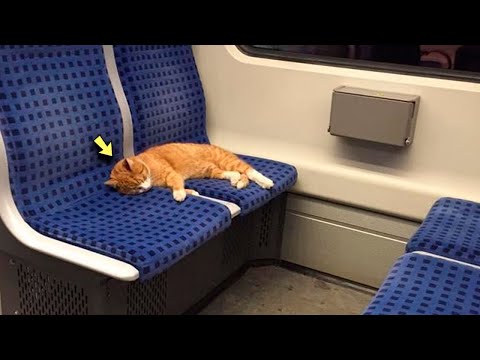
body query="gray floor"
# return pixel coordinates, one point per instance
(271, 290)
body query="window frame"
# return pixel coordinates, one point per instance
(447, 74)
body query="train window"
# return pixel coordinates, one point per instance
(459, 62)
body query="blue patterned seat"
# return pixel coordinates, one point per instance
(451, 229)
(424, 285)
(167, 102)
(54, 100)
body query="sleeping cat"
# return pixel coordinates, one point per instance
(170, 164)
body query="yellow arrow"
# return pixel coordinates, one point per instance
(106, 149)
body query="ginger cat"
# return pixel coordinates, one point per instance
(170, 164)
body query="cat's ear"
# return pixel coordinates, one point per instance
(111, 182)
(128, 163)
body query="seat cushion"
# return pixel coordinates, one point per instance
(150, 231)
(425, 285)
(451, 229)
(253, 196)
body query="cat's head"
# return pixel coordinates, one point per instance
(130, 176)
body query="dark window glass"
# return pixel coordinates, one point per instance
(460, 62)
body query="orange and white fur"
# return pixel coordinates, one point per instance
(170, 164)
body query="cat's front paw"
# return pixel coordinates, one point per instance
(179, 195)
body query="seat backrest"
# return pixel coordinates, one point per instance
(54, 101)
(164, 92)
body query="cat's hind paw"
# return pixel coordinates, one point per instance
(260, 179)
(266, 183)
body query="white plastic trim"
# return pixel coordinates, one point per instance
(26, 235)
(234, 208)
(445, 258)
(112, 70)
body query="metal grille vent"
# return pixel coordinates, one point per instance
(265, 225)
(148, 297)
(42, 294)
(233, 248)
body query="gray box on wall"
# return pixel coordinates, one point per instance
(378, 116)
